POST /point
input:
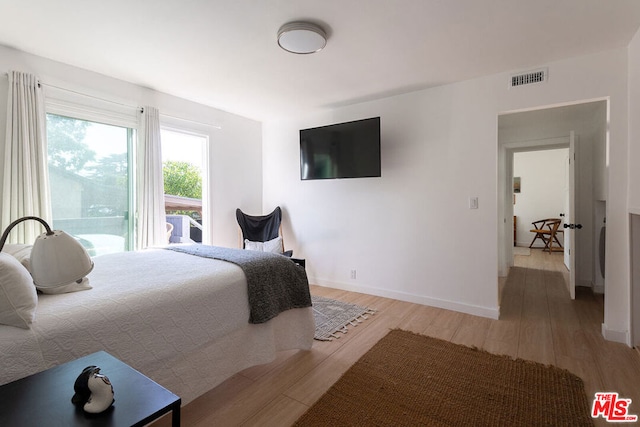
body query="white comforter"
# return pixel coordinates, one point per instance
(180, 319)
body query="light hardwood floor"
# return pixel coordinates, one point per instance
(538, 322)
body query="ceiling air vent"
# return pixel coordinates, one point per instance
(530, 77)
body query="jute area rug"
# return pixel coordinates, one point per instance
(413, 380)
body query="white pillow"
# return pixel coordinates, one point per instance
(81, 285)
(21, 252)
(274, 245)
(18, 298)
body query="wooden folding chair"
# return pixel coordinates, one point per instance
(546, 230)
(538, 230)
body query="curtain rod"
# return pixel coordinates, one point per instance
(41, 83)
(141, 109)
(94, 97)
(191, 121)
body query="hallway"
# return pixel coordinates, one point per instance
(555, 330)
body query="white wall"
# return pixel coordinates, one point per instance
(543, 183)
(235, 151)
(634, 124)
(634, 180)
(410, 234)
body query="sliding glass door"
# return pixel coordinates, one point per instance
(91, 182)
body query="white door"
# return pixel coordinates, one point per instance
(569, 217)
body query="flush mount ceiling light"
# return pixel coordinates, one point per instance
(301, 37)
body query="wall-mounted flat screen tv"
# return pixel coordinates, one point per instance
(343, 150)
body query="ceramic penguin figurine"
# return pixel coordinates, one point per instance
(94, 391)
(101, 394)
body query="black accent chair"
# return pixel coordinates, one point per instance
(263, 228)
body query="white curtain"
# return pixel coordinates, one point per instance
(151, 230)
(25, 185)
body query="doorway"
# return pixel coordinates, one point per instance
(541, 193)
(547, 128)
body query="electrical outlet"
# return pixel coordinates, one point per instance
(353, 274)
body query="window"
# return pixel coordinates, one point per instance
(184, 164)
(91, 182)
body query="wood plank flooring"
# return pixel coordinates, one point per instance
(538, 322)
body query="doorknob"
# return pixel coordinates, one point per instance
(573, 226)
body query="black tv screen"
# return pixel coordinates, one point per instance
(344, 150)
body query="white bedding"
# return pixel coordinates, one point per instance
(180, 319)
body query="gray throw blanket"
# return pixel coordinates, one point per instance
(275, 283)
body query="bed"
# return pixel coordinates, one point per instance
(180, 319)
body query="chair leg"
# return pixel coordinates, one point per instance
(555, 236)
(558, 248)
(537, 236)
(541, 237)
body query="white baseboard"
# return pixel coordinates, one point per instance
(526, 245)
(491, 313)
(597, 289)
(585, 283)
(616, 336)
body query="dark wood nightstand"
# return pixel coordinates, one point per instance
(44, 399)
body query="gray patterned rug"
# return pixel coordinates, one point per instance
(333, 317)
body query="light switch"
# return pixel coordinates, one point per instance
(473, 203)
